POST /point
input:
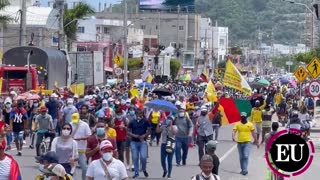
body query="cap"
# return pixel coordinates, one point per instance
(54, 95)
(243, 114)
(104, 102)
(75, 116)
(12, 93)
(178, 103)
(211, 144)
(204, 108)
(106, 144)
(76, 96)
(43, 109)
(57, 169)
(110, 99)
(70, 101)
(50, 157)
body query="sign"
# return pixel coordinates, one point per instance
(288, 154)
(314, 88)
(118, 60)
(314, 68)
(289, 63)
(118, 71)
(301, 74)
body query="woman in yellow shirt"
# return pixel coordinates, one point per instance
(110, 132)
(256, 118)
(155, 117)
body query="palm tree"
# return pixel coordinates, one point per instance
(4, 19)
(78, 12)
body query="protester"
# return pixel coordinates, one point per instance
(155, 117)
(206, 165)
(121, 124)
(267, 114)
(106, 167)
(211, 148)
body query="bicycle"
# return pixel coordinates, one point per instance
(45, 143)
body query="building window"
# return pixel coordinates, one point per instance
(106, 30)
(157, 27)
(98, 29)
(221, 42)
(143, 26)
(80, 29)
(181, 28)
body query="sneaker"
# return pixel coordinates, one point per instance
(178, 164)
(19, 153)
(132, 168)
(31, 146)
(24, 142)
(135, 175)
(145, 173)
(164, 174)
(169, 177)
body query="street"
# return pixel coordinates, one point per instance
(227, 152)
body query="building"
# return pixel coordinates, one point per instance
(181, 31)
(214, 44)
(41, 27)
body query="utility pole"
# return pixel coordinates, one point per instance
(178, 23)
(205, 51)
(60, 6)
(23, 23)
(125, 42)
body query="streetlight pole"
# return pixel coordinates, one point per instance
(125, 43)
(313, 15)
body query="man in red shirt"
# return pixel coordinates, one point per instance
(93, 142)
(121, 123)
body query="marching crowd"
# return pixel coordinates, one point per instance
(107, 131)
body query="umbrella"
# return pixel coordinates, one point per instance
(294, 84)
(256, 85)
(161, 105)
(284, 81)
(264, 82)
(147, 85)
(28, 96)
(162, 92)
(187, 77)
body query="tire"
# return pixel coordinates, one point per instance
(42, 148)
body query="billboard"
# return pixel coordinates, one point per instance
(185, 5)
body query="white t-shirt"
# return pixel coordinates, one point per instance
(5, 166)
(83, 131)
(116, 169)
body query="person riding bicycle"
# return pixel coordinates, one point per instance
(43, 124)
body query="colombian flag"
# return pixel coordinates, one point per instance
(230, 110)
(204, 77)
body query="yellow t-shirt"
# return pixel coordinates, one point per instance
(244, 131)
(256, 115)
(111, 133)
(278, 97)
(155, 117)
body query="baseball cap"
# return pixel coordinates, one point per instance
(57, 169)
(243, 114)
(43, 109)
(204, 108)
(50, 157)
(75, 116)
(106, 145)
(211, 144)
(70, 101)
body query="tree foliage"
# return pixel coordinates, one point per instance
(307, 57)
(134, 64)
(280, 62)
(175, 66)
(70, 22)
(4, 19)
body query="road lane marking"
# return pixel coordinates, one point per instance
(228, 153)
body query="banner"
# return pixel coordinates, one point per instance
(211, 92)
(233, 79)
(78, 89)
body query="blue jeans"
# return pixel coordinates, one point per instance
(139, 152)
(244, 152)
(83, 165)
(9, 138)
(182, 143)
(166, 156)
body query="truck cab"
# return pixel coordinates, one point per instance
(15, 79)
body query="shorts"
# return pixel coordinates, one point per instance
(258, 127)
(18, 136)
(128, 142)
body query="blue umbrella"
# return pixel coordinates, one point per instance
(161, 105)
(147, 85)
(284, 81)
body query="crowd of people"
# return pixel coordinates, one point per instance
(107, 131)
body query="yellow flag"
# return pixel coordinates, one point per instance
(233, 79)
(78, 89)
(211, 92)
(134, 93)
(118, 60)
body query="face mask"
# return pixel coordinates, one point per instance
(35, 105)
(8, 106)
(107, 156)
(100, 132)
(118, 117)
(132, 113)
(181, 114)
(66, 132)
(168, 122)
(244, 120)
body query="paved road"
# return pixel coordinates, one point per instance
(227, 151)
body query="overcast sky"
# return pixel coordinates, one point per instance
(94, 3)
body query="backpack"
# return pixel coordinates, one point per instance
(170, 144)
(310, 103)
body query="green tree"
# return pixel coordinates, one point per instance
(307, 57)
(4, 20)
(222, 64)
(81, 10)
(135, 64)
(281, 62)
(175, 66)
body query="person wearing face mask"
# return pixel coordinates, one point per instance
(9, 167)
(111, 103)
(244, 130)
(68, 111)
(66, 148)
(205, 131)
(44, 127)
(93, 142)
(81, 132)
(183, 137)
(155, 117)
(256, 118)
(53, 110)
(87, 117)
(6, 118)
(105, 110)
(206, 166)
(106, 167)
(131, 115)
(121, 124)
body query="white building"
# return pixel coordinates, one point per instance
(214, 41)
